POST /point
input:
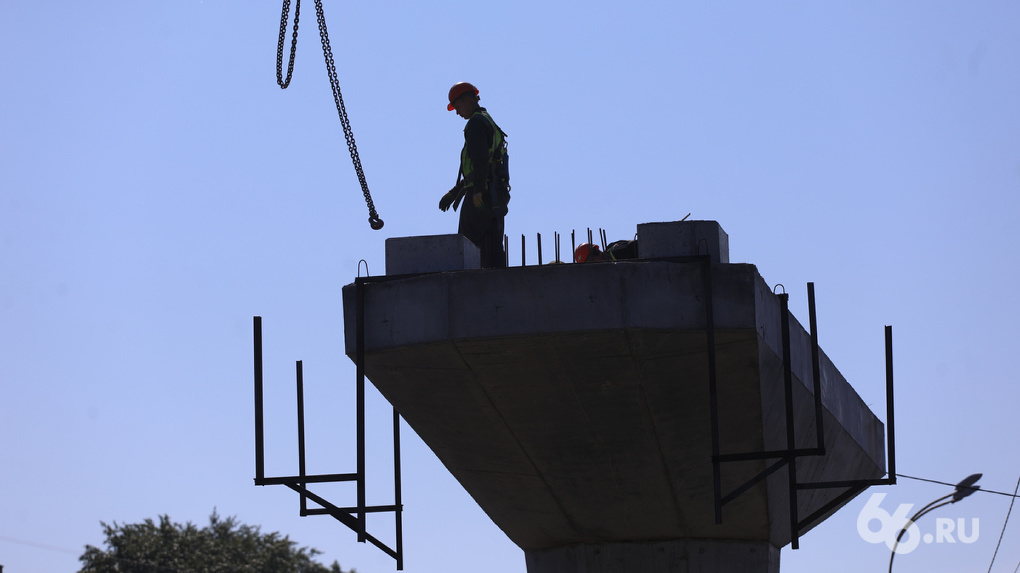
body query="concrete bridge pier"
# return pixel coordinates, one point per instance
(673, 556)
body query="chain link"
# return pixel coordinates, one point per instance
(293, 44)
(373, 217)
(327, 52)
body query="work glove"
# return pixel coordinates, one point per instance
(446, 201)
(449, 199)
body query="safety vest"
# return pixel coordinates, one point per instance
(499, 172)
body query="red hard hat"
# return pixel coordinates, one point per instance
(585, 251)
(459, 89)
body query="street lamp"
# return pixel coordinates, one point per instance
(963, 489)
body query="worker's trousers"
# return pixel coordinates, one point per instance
(485, 229)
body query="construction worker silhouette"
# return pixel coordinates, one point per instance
(615, 251)
(483, 181)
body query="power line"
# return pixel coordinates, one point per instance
(977, 488)
(75, 552)
(1004, 526)
(39, 545)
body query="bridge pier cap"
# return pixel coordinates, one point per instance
(572, 401)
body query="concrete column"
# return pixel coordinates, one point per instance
(675, 556)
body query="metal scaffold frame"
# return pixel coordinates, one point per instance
(788, 457)
(352, 517)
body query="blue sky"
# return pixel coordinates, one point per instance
(157, 190)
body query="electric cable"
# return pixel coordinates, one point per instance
(1004, 526)
(1014, 494)
(76, 552)
(39, 545)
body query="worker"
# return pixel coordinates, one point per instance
(483, 181)
(617, 250)
(588, 253)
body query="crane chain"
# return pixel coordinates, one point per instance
(283, 83)
(373, 217)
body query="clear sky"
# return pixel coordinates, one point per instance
(157, 190)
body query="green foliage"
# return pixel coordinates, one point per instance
(224, 546)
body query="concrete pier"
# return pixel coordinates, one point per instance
(572, 402)
(684, 555)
